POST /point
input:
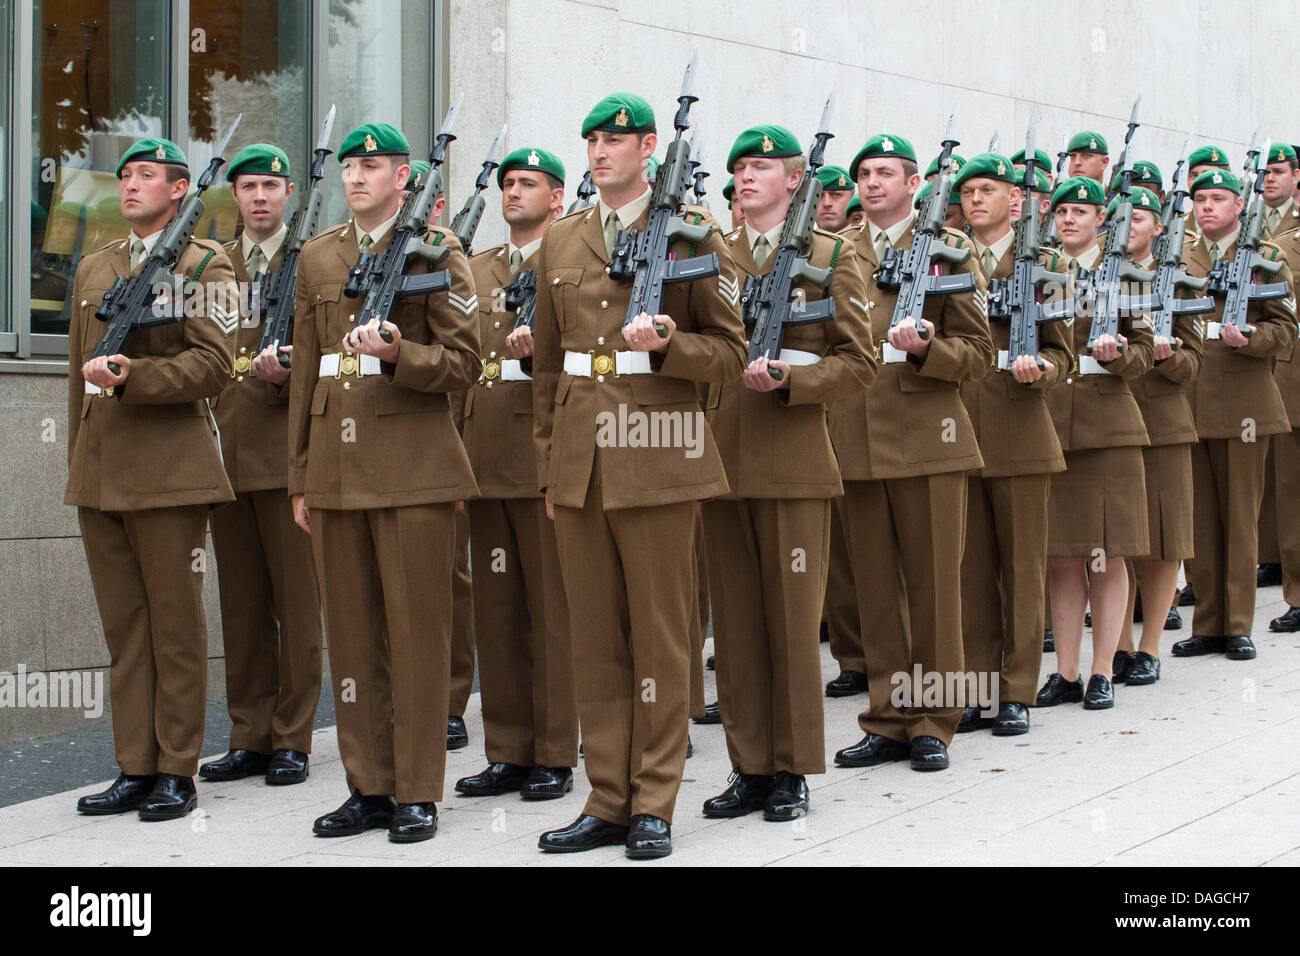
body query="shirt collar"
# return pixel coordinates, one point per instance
(773, 236)
(378, 233)
(1283, 210)
(628, 213)
(1227, 241)
(269, 246)
(894, 232)
(1088, 258)
(149, 241)
(525, 251)
(999, 248)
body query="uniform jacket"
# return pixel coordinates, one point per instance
(1163, 393)
(1287, 371)
(152, 443)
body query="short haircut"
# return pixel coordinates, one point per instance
(910, 168)
(398, 159)
(794, 163)
(174, 172)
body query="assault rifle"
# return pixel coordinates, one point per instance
(466, 222)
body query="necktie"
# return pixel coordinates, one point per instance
(1074, 265)
(1273, 216)
(364, 243)
(760, 251)
(882, 243)
(137, 254)
(516, 260)
(989, 262)
(1214, 252)
(256, 261)
(611, 231)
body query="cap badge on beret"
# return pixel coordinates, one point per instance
(887, 145)
(1083, 191)
(415, 183)
(534, 159)
(370, 145)
(842, 181)
(1217, 178)
(621, 118)
(956, 166)
(768, 145)
(1214, 155)
(1002, 168)
(1144, 199)
(1280, 154)
(1092, 143)
(160, 153)
(275, 164)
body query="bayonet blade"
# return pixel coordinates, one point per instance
(1133, 116)
(450, 118)
(1268, 143)
(994, 142)
(326, 128)
(688, 78)
(951, 132)
(494, 151)
(225, 140)
(1030, 152)
(827, 111)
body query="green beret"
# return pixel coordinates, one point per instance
(1280, 153)
(651, 168)
(1079, 189)
(374, 139)
(774, 142)
(620, 113)
(153, 151)
(1208, 156)
(854, 205)
(882, 145)
(921, 195)
(526, 158)
(1042, 184)
(1088, 142)
(933, 169)
(1145, 171)
(986, 166)
(260, 158)
(729, 190)
(418, 168)
(1217, 179)
(834, 178)
(1044, 162)
(1142, 198)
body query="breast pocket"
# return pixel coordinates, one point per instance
(331, 323)
(564, 296)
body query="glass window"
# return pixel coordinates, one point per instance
(99, 83)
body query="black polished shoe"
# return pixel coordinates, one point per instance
(1049, 641)
(1058, 690)
(1173, 620)
(457, 735)
(824, 633)
(585, 833)
(1239, 649)
(122, 796)
(1100, 696)
(498, 778)
(172, 797)
(712, 715)
(1119, 666)
(236, 765)
(847, 684)
(1286, 624)
(547, 783)
(287, 767)
(1012, 720)
(649, 838)
(1188, 597)
(1198, 644)
(788, 798)
(871, 750)
(1144, 670)
(972, 719)
(711, 664)
(413, 822)
(929, 753)
(746, 793)
(1087, 619)
(357, 815)
(1268, 576)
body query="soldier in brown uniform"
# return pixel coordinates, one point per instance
(530, 714)
(770, 538)
(144, 468)
(1237, 406)
(904, 449)
(1005, 562)
(624, 509)
(270, 604)
(383, 536)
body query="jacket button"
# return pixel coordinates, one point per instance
(492, 355)
(604, 304)
(346, 386)
(239, 379)
(555, 281)
(600, 340)
(242, 350)
(600, 378)
(496, 325)
(84, 303)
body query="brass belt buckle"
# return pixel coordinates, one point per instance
(604, 364)
(243, 365)
(349, 364)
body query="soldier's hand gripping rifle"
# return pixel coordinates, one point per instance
(1113, 186)
(916, 273)
(383, 279)
(1051, 238)
(466, 222)
(1169, 259)
(521, 298)
(153, 295)
(273, 294)
(642, 255)
(769, 303)
(586, 189)
(1018, 298)
(1236, 280)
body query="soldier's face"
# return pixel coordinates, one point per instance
(1092, 165)
(261, 201)
(372, 184)
(1197, 170)
(527, 198)
(1146, 226)
(954, 218)
(1279, 182)
(885, 190)
(763, 187)
(618, 160)
(857, 217)
(1077, 224)
(1217, 211)
(986, 203)
(737, 215)
(146, 194)
(831, 210)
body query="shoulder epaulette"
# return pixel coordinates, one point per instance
(496, 250)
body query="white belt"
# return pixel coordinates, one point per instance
(511, 371)
(330, 364)
(1090, 366)
(1004, 360)
(1214, 330)
(796, 357)
(582, 364)
(890, 355)
(93, 389)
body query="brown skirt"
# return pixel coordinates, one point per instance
(1099, 501)
(1169, 502)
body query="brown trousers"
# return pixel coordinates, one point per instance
(1285, 450)
(462, 623)
(148, 584)
(906, 537)
(765, 629)
(386, 581)
(627, 577)
(1227, 486)
(1270, 545)
(1003, 570)
(841, 604)
(699, 620)
(271, 622)
(530, 712)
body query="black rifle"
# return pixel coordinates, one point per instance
(914, 272)
(1113, 186)
(153, 296)
(521, 298)
(1236, 280)
(698, 174)
(1018, 298)
(1051, 238)
(466, 222)
(769, 303)
(1249, 170)
(383, 279)
(586, 189)
(272, 297)
(1169, 261)
(642, 255)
